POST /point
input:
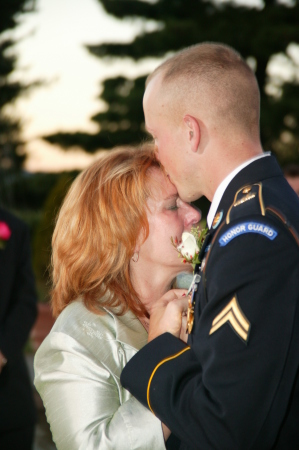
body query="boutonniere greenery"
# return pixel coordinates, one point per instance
(5, 234)
(189, 247)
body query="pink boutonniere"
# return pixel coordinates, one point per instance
(5, 234)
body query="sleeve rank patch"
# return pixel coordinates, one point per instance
(232, 314)
(247, 227)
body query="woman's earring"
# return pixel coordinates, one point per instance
(135, 257)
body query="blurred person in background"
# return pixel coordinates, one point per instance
(17, 315)
(112, 259)
(291, 174)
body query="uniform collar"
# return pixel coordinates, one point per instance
(223, 185)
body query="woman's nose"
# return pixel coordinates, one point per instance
(192, 215)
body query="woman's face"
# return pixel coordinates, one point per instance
(168, 216)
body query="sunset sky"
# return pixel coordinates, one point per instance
(51, 48)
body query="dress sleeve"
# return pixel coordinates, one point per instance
(84, 401)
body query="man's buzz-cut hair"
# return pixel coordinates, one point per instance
(219, 70)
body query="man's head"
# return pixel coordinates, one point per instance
(203, 98)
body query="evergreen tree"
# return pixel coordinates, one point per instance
(11, 146)
(257, 33)
(11, 155)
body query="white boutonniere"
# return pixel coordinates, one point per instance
(190, 245)
(188, 249)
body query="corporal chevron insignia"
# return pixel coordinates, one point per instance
(232, 314)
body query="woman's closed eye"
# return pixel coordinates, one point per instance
(172, 203)
(173, 207)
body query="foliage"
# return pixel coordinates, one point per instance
(24, 195)
(121, 124)
(45, 228)
(36, 199)
(11, 146)
(24, 191)
(258, 33)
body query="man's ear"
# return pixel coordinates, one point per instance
(193, 130)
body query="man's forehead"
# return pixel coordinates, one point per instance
(153, 88)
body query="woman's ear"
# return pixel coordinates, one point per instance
(137, 248)
(193, 130)
(140, 240)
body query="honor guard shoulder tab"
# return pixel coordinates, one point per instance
(248, 201)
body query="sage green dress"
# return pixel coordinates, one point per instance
(77, 374)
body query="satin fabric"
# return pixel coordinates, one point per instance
(77, 374)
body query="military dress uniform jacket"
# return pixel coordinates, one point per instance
(235, 385)
(18, 312)
(77, 373)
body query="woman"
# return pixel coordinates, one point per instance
(112, 259)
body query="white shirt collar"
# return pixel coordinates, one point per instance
(223, 185)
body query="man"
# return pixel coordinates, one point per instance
(235, 385)
(17, 315)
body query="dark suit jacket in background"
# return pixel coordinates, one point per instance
(17, 314)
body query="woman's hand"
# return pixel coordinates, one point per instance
(166, 432)
(183, 333)
(167, 314)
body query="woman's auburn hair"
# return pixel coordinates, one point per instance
(97, 229)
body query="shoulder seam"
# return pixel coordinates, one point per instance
(274, 212)
(246, 190)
